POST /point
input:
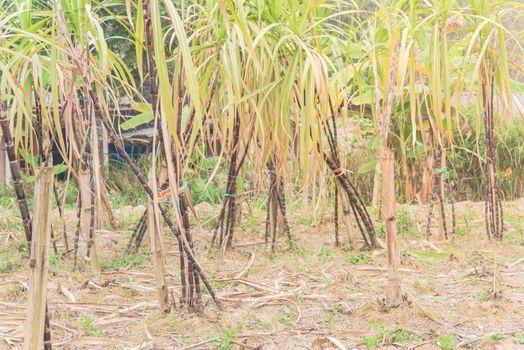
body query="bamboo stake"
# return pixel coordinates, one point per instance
(388, 177)
(157, 255)
(86, 217)
(346, 211)
(38, 264)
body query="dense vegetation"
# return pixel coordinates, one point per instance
(278, 103)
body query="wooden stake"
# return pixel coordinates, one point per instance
(157, 255)
(388, 176)
(38, 264)
(85, 218)
(346, 213)
(375, 200)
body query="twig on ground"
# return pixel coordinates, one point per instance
(246, 269)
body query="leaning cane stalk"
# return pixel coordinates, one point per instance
(176, 231)
(15, 174)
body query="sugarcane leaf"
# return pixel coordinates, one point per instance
(374, 143)
(60, 168)
(141, 107)
(209, 163)
(137, 120)
(364, 98)
(516, 86)
(367, 167)
(29, 158)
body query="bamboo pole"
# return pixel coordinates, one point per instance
(84, 183)
(346, 213)
(38, 264)
(157, 255)
(388, 177)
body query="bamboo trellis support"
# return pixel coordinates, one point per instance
(38, 263)
(157, 255)
(388, 178)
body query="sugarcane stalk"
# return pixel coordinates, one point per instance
(282, 206)
(268, 218)
(360, 211)
(334, 138)
(137, 231)
(494, 210)
(77, 232)
(15, 174)
(176, 231)
(194, 281)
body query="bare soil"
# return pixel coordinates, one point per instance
(466, 292)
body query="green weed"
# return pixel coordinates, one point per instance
(226, 342)
(404, 223)
(9, 261)
(137, 260)
(384, 336)
(284, 316)
(446, 342)
(217, 286)
(356, 259)
(429, 256)
(495, 337)
(53, 264)
(88, 327)
(325, 253)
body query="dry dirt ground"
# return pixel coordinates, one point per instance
(463, 293)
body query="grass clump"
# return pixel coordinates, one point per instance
(88, 327)
(386, 336)
(136, 260)
(227, 340)
(495, 337)
(284, 316)
(356, 259)
(429, 256)
(405, 225)
(446, 342)
(325, 253)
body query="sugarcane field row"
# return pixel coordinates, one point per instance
(246, 174)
